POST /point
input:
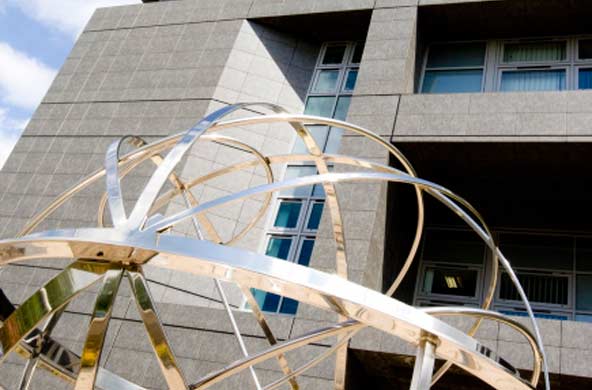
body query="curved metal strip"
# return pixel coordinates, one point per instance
(277, 350)
(47, 300)
(260, 317)
(222, 294)
(167, 222)
(93, 346)
(500, 318)
(301, 119)
(291, 118)
(152, 189)
(63, 363)
(114, 194)
(535, 326)
(37, 348)
(432, 188)
(344, 339)
(162, 349)
(307, 285)
(482, 234)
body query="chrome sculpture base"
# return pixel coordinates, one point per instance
(109, 254)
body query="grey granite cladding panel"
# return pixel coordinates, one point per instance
(544, 115)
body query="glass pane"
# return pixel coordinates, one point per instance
(295, 171)
(318, 191)
(279, 247)
(584, 292)
(548, 289)
(453, 55)
(585, 79)
(585, 49)
(334, 54)
(535, 52)
(538, 252)
(287, 216)
(350, 80)
(320, 106)
(357, 58)
(533, 80)
(319, 133)
(306, 252)
(334, 140)
(453, 247)
(289, 306)
(449, 281)
(452, 81)
(315, 216)
(266, 301)
(584, 254)
(270, 302)
(342, 108)
(326, 81)
(584, 317)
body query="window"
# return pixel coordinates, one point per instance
(519, 68)
(517, 65)
(452, 266)
(555, 272)
(292, 232)
(455, 67)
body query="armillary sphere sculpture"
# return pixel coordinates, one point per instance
(107, 254)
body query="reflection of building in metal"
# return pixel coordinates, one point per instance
(140, 237)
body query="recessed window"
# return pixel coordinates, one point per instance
(350, 80)
(453, 68)
(320, 106)
(315, 216)
(585, 49)
(584, 292)
(358, 51)
(279, 247)
(539, 288)
(287, 215)
(342, 107)
(552, 51)
(533, 80)
(450, 281)
(585, 78)
(334, 54)
(456, 55)
(326, 80)
(558, 64)
(291, 233)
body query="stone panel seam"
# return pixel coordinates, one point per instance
(165, 25)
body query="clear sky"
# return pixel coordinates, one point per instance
(35, 39)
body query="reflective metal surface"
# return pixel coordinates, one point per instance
(109, 253)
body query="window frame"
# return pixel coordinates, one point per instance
(475, 299)
(300, 234)
(541, 306)
(494, 64)
(577, 69)
(425, 68)
(570, 310)
(502, 70)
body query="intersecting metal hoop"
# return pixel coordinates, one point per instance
(111, 253)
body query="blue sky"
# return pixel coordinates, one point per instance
(35, 39)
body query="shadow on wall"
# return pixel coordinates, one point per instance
(294, 42)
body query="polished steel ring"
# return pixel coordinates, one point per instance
(109, 254)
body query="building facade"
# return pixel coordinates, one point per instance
(488, 98)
